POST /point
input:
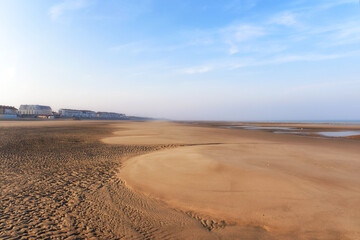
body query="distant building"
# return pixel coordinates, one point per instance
(72, 113)
(110, 115)
(8, 112)
(56, 115)
(35, 111)
(69, 113)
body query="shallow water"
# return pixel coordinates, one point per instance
(327, 134)
(339, 134)
(291, 130)
(269, 128)
(260, 128)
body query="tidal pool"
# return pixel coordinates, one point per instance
(260, 128)
(291, 130)
(339, 134)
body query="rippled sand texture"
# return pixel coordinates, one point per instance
(253, 182)
(158, 180)
(58, 181)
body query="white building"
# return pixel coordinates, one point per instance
(35, 110)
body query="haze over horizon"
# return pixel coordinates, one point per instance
(193, 60)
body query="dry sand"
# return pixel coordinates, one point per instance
(285, 186)
(159, 180)
(58, 181)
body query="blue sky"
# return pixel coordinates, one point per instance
(189, 59)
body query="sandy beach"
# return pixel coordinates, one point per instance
(165, 180)
(287, 186)
(189, 120)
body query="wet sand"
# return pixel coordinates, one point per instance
(288, 186)
(161, 180)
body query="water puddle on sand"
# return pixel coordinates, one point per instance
(326, 134)
(339, 134)
(260, 128)
(291, 130)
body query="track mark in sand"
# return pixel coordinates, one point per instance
(62, 183)
(208, 222)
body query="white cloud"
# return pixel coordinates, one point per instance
(331, 4)
(338, 34)
(236, 35)
(58, 10)
(243, 33)
(347, 34)
(286, 19)
(262, 42)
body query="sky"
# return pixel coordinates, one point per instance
(235, 60)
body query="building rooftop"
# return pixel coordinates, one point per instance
(68, 109)
(8, 107)
(37, 107)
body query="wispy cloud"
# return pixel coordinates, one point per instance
(59, 9)
(238, 34)
(347, 34)
(238, 63)
(335, 3)
(242, 33)
(285, 18)
(243, 44)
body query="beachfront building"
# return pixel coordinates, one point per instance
(8, 112)
(73, 113)
(110, 115)
(35, 111)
